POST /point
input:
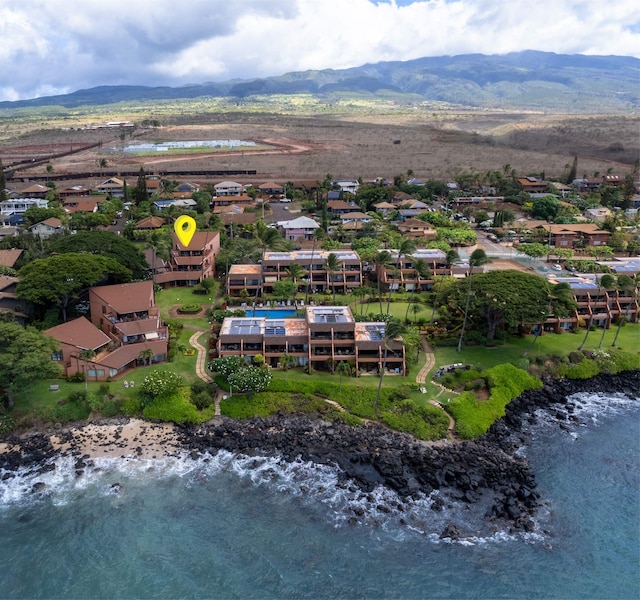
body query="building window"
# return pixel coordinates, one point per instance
(57, 355)
(94, 373)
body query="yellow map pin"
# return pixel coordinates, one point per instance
(185, 227)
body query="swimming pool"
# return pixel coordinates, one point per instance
(271, 313)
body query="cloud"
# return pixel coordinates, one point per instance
(58, 46)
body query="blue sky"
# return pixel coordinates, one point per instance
(59, 46)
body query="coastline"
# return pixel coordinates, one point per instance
(487, 470)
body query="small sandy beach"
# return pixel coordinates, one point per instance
(133, 438)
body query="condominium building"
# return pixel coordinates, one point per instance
(322, 338)
(319, 276)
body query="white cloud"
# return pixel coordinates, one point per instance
(58, 46)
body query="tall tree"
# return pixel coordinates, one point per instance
(25, 356)
(343, 368)
(607, 282)
(625, 283)
(383, 260)
(477, 259)
(104, 243)
(404, 246)
(60, 279)
(393, 329)
(141, 194)
(333, 266)
(296, 272)
(85, 356)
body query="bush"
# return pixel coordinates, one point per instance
(190, 309)
(174, 408)
(423, 422)
(586, 369)
(160, 383)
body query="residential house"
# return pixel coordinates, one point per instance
(384, 208)
(320, 339)
(150, 223)
(47, 228)
(417, 229)
(228, 188)
(75, 191)
(350, 186)
(86, 204)
(9, 302)
(356, 217)
(113, 186)
(18, 206)
(9, 258)
(340, 207)
(299, 228)
(532, 184)
(401, 198)
(577, 235)
(271, 188)
(239, 200)
(36, 190)
(598, 215)
(189, 265)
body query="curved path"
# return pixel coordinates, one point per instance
(201, 367)
(421, 378)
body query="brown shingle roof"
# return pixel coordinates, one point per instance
(125, 354)
(8, 258)
(126, 297)
(80, 333)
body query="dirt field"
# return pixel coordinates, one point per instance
(350, 146)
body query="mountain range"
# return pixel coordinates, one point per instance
(528, 80)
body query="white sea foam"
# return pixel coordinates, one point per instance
(584, 410)
(320, 488)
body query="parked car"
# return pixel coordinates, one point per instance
(285, 200)
(556, 267)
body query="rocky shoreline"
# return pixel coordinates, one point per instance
(487, 469)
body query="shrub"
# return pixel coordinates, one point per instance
(423, 422)
(584, 370)
(159, 383)
(190, 309)
(173, 408)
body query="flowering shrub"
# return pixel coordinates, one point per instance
(250, 379)
(227, 365)
(159, 383)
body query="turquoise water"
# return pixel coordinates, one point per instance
(275, 313)
(230, 527)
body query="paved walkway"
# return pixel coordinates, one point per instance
(421, 379)
(201, 367)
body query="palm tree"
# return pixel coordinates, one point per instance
(268, 238)
(405, 247)
(608, 282)
(296, 272)
(393, 329)
(146, 356)
(451, 257)
(477, 259)
(422, 271)
(316, 236)
(383, 260)
(590, 321)
(624, 283)
(86, 355)
(343, 368)
(287, 362)
(332, 265)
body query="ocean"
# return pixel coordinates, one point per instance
(229, 526)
